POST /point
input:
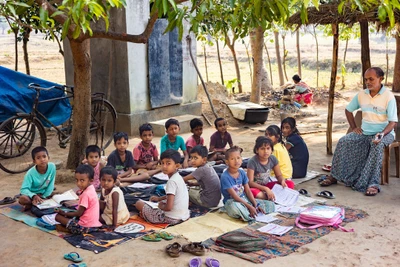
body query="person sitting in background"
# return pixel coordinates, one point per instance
(304, 94)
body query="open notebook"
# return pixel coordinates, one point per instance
(56, 200)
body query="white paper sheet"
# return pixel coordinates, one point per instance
(285, 196)
(140, 185)
(190, 169)
(50, 219)
(274, 229)
(161, 176)
(154, 205)
(265, 218)
(292, 209)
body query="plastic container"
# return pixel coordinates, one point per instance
(256, 115)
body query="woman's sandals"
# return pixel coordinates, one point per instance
(372, 191)
(195, 248)
(327, 181)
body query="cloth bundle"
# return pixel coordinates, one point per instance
(241, 240)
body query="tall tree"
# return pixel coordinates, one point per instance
(278, 58)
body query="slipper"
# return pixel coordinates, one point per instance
(210, 262)
(77, 265)
(45, 225)
(326, 194)
(73, 256)
(304, 193)
(196, 248)
(368, 193)
(174, 250)
(7, 200)
(327, 168)
(195, 262)
(152, 238)
(165, 235)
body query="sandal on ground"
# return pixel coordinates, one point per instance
(174, 250)
(7, 200)
(327, 167)
(210, 262)
(371, 191)
(327, 181)
(152, 238)
(165, 235)
(195, 262)
(73, 256)
(326, 194)
(195, 248)
(304, 193)
(77, 265)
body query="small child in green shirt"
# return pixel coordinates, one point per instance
(38, 182)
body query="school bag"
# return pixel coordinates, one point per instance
(318, 216)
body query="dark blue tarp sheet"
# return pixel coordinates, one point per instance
(15, 96)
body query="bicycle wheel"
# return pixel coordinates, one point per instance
(102, 123)
(18, 136)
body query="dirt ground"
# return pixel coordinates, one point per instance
(374, 242)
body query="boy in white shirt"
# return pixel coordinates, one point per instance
(173, 208)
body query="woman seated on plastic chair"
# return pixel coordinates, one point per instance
(357, 160)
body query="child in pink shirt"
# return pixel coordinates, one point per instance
(196, 127)
(89, 208)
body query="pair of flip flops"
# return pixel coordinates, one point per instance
(74, 256)
(210, 262)
(156, 237)
(7, 200)
(325, 194)
(175, 249)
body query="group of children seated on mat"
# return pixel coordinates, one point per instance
(244, 194)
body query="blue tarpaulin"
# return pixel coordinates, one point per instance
(16, 97)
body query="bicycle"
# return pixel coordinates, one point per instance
(22, 132)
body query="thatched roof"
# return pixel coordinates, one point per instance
(328, 14)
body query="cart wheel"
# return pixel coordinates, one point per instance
(18, 136)
(102, 123)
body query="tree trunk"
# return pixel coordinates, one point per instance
(344, 63)
(335, 52)
(82, 93)
(219, 62)
(278, 58)
(25, 40)
(285, 53)
(15, 31)
(365, 58)
(249, 60)
(205, 61)
(257, 42)
(396, 70)
(269, 64)
(317, 46)
(231, 46)
(298, 52)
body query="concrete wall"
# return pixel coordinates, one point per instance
(120, 70)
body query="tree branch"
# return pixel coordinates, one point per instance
(138, 38)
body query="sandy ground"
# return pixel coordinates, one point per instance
(374, 242)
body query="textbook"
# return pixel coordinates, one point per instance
(56, 200)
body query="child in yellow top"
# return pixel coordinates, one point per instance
(273, 132)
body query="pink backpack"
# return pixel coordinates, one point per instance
(318, 216)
